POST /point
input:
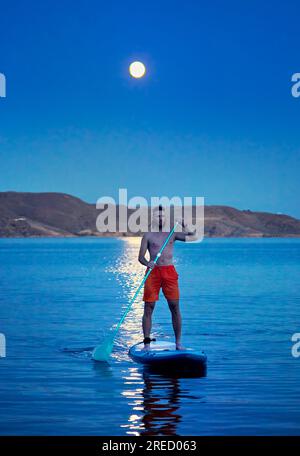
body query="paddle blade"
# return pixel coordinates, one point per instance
(103, 351)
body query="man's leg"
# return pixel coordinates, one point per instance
(147, 319)
(176, 321)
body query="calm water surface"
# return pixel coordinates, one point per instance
(240, 302)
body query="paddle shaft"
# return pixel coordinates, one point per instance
(144, 279)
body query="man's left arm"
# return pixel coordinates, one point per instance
(186, 235)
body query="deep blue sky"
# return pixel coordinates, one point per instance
(214, 116)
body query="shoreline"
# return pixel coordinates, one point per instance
(290, 236)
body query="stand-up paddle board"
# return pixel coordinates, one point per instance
(163, 356)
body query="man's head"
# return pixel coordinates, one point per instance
(158, 217)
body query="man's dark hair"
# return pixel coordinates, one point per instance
(159, 208)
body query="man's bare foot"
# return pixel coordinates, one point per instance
(146, 347)
(180, 347)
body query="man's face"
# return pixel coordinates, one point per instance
(159, 218)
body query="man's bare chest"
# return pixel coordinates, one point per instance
(155, 243)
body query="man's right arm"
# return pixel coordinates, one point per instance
(142, 253)
(143, 250)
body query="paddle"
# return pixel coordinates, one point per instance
(103, 351)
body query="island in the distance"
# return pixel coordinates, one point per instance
(25, 214)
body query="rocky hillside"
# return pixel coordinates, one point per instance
(59, 214)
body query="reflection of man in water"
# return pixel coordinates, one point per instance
(163, 275)
(161, 405)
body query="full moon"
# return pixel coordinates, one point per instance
(137, 70)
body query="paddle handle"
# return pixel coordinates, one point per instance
(145, 278)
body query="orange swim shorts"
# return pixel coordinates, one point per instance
(164, 277)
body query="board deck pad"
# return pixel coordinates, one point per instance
(158, 346)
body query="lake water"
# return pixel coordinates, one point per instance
(240, 300)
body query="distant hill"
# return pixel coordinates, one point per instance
(62, 215)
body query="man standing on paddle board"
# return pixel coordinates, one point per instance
(163, 275)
